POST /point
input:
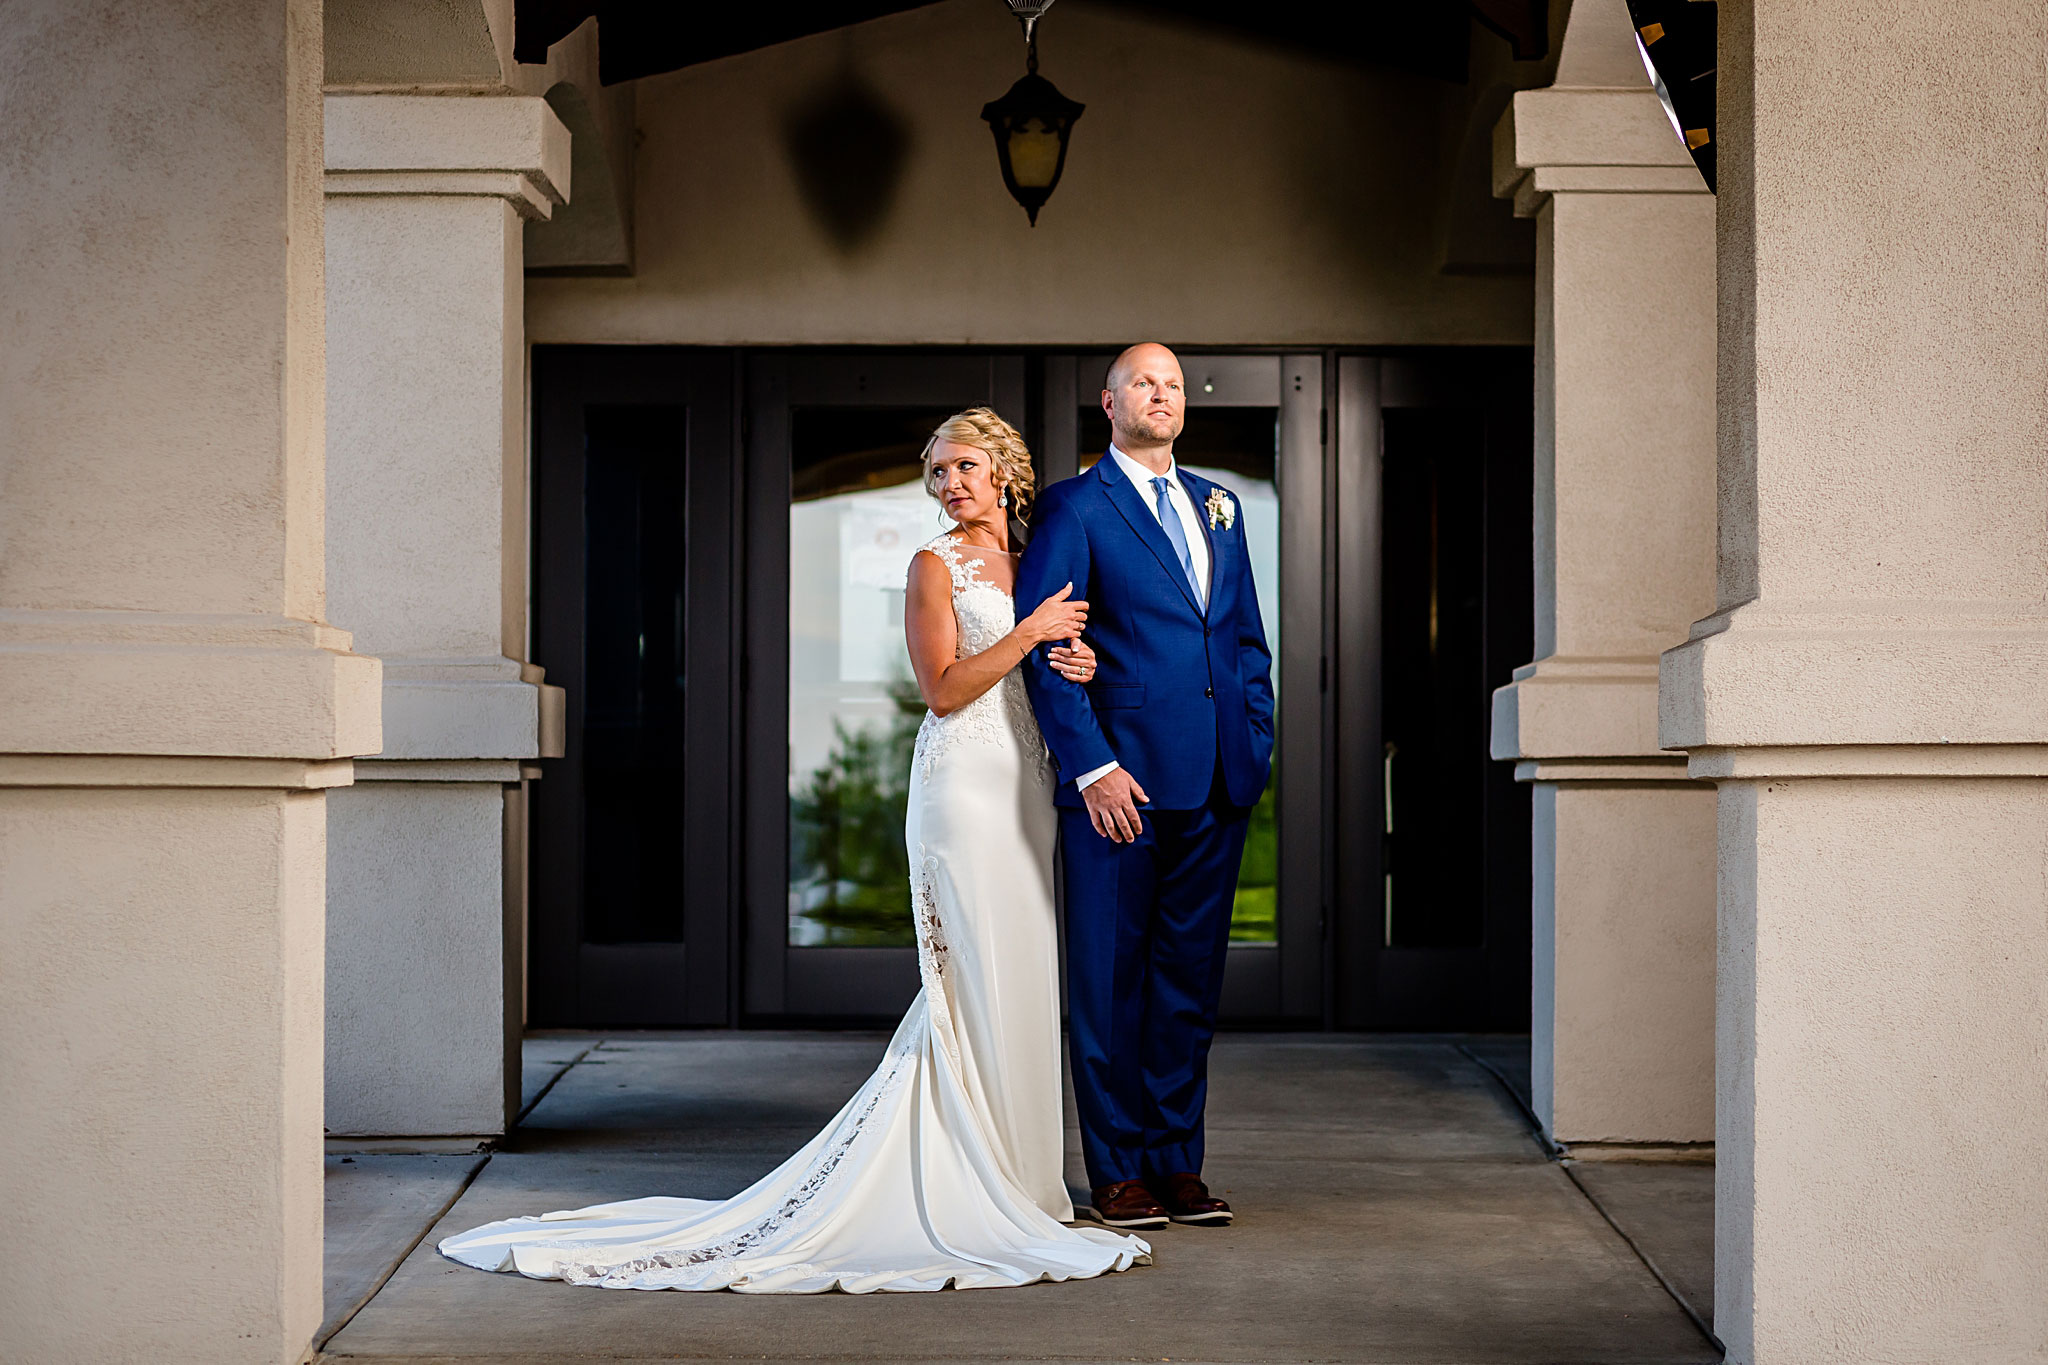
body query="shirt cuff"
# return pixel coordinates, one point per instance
(1082, 782)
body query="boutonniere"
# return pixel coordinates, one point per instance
(1222, 511)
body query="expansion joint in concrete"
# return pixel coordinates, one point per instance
(347, 1315)
(1649, 1262)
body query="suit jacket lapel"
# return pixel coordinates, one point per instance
(1124, 496)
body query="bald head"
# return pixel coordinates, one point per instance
(1145, 397)
(1145, 353)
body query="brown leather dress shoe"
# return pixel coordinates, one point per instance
(1128, 1204)
(1188, 1200)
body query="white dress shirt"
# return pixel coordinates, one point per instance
(1198, 548)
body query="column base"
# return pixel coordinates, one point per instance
(160, 1032)
(1622, 940)
(422, 1017)
(1622, 1001)
(1883, 1103)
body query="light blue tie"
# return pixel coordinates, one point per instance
(1169, 522)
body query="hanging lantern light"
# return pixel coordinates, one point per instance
(1031, 123)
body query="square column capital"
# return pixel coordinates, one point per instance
(1588, 141)
(511, 147)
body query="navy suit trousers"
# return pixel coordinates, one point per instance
(1148, 925)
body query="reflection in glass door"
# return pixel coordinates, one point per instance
(1255, 426)
(722, 600)
(857, 513)
(1238, 448)
(835, 510)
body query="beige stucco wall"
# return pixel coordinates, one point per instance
(1623, 958)
(426, 561)
(1218, 191)
(1870, 694)
(418, 309)
(1881, 1192)
(160, 1079)
(416, 945)
(1622, 1025)
(174, 705)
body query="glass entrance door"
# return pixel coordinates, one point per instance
(634, 501)
(1431, 455)
(719, 556)
(836, 509)
(1254, 425)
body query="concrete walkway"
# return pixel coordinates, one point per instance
(1393, 1207)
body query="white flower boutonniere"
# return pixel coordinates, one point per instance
(1222, 510)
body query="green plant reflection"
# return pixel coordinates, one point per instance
(850, 877)
(1254, 915)
(848, 873)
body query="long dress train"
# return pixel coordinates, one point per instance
(946, 1168)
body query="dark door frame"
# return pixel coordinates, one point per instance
(817, 984)
(662, 984)
(1377, 985)
(1284, 983)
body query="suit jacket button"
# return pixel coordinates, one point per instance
(1209, 692)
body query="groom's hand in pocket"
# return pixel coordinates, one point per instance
(1113, 800)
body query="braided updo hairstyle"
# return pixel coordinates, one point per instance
(1004, 445)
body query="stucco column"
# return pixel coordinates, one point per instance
(426, 558)
(1622, 1017)
(175, 709)
(1872, 694)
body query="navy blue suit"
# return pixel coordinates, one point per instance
(1183, 700)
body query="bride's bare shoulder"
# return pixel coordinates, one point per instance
(933, 567)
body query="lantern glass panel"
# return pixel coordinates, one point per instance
(1034, 154)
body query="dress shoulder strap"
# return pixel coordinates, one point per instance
(947, 548)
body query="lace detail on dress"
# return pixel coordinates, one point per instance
(933, 952)
(985, 614)
(964, 571)
(697, 1264)
(931, 932)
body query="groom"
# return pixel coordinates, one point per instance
(1161, 757)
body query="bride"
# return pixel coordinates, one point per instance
(946, 1167)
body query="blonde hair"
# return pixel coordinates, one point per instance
(1004, 445)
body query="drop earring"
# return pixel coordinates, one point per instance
(1003, 500)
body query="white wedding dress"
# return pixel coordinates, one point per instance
(946, 1168)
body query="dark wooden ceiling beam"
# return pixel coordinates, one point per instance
(647, 37)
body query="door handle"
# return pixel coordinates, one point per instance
(1387, 783)
(1387, 843)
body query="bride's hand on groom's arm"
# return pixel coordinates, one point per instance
(932, 633)
(1113, 800)
(1061, 616)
